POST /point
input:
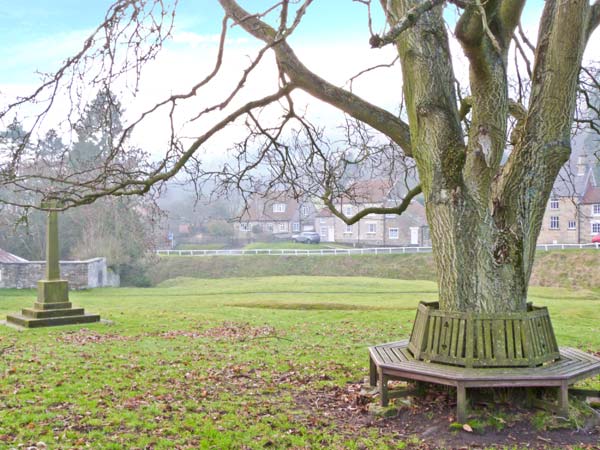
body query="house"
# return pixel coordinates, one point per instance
(409, 228)
(572, 215)
(590, 206)
(275, 215)
(562, 220)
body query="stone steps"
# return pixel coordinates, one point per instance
(43, 314)
(31, 322)
(46, 306)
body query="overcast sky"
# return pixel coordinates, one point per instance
(332, 40)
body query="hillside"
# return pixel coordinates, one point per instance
(569, 268)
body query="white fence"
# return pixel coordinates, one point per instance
(548, 247)
(341, 251)
(298, 252)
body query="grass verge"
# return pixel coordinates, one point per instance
(226, 363)
(572, 269)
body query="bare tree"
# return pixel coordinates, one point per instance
(484, 214)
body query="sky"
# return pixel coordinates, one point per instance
(332, 40)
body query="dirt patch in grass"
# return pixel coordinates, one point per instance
(237, 331)
(227, 331)
(428, 422)
(85, 336)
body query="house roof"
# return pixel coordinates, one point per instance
(571, 181)
(592, 194)
(325, 212)
(370, 191)
(6, 257)
(413, 215)
(261, 208)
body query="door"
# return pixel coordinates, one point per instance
(414, 235)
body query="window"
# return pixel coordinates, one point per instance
(323, 220)
(279, 207)
(296, 226)
(596, 209)
(282, 226)
(244, 226)
(324, 233)
(393, 233)
(304, 210)
(554, 204)
(554, 222)
(572, 225)
(371, 228)
(595, 228)
(348, 210)
(270, 227)
(348, 229)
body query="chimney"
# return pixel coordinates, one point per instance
(581, 165)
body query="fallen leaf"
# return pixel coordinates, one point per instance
(467, 427)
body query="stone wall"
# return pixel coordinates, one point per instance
(80, 274)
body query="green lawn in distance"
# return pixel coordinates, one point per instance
(216, 363)
(286, 245)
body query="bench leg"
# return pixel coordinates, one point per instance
(563, 400)
(461, 403)
(372, 372)
(383, 389)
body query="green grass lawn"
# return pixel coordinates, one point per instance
(285, 245)
(220, 363)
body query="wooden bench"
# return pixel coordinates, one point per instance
(393, 361)
(519, 339)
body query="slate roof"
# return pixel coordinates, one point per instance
(325, 212)
(592, 195)
(570, 183)
(370, 191)
(6, 257)
(261, 209)
(377, 191)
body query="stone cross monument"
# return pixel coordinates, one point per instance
(52, 306)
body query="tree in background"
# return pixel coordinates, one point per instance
(118, 228)
(484, 212)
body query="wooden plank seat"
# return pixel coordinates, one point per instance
(393, 361)
(519, 339)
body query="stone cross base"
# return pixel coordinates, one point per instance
(53, 291)
(52, 308)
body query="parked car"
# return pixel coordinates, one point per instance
(307, 237)
(596, 239)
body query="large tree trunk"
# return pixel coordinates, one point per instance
(484, 217)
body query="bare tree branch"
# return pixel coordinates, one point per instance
(403, 23)
(399, 209)
(306, 80)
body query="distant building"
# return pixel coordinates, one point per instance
(572, 215)
(275, 215)
(409, 228)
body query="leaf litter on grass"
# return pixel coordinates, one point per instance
(228, 331)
